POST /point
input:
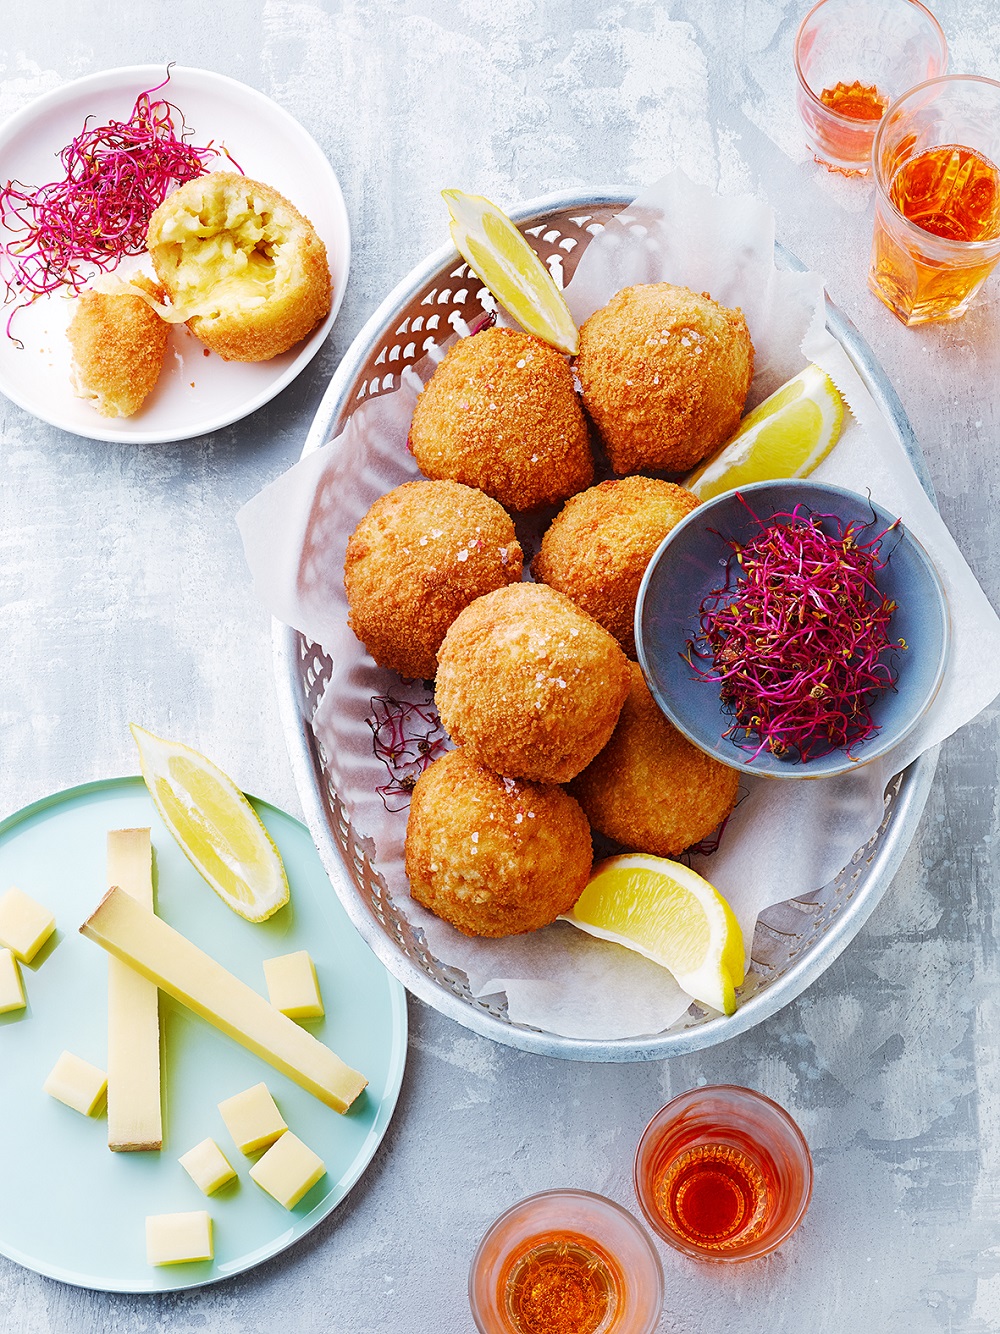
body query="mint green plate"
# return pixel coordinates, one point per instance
(70, 1208)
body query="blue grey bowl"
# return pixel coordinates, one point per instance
(690, 562)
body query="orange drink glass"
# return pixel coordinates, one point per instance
(937, 198)
(723, 1173)
(566, 1262)
(852, 57)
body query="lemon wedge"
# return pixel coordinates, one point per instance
(787, 435)
(667, 913)
(500, 256)
(218, 830)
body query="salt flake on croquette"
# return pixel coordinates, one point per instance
(598, 546)
(420, 555)
(530, 684)
(494, 856)
(664, 374)
(501, 413)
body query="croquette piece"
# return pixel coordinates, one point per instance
(664, 374)
(530, 684)
(597, 548)
(420, 555)
(494, 856)
(650, 789)
(118, 345)
(243, 267)
(501, 413)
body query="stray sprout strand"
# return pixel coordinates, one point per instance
(710, 843)
(406, 738)
(115, 177)
(798, 637)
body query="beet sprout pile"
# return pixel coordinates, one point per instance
(798, 637)
(406, 738)
(115, 177)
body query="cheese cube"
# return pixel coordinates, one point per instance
(177, 1239)
(25, 925)
(292, 985)
(288, 1170)
(77, 1083)
(11, 986)
(207, 1166)
(252, 1118)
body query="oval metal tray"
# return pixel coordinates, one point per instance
(794, 941)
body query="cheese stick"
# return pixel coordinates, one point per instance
(132, 933)
(134, 1117)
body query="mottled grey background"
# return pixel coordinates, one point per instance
(124, 596)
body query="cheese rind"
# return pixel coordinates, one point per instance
(252, 1118)
(132, 933)
(207, 1166)
(25, 925)
(135, 1122)
(11, 985)
(77, 1083)
(293, 986)
(288, 1170)
(176, 1239)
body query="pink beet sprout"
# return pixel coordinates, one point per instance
(406, 738)
(114, 178)
(798, 637)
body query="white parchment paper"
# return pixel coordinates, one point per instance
(784, 839)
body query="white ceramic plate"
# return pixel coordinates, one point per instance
(198, 392)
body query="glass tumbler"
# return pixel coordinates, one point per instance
(566, 1262)
(852, 58)
(723, 1173)
(937, 198)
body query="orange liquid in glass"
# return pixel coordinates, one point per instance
(714, 1196)
(856, 101)
(951, 192)
(845, 143)
(560, 1283)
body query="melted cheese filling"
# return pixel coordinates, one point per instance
(226, 257)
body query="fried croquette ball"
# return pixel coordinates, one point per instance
(241, 265)
(530, 684)
(420, 555)
(664, 374)
(494, 856)
(501, 413)
(118, 345)
(650, 789)
(598, 546)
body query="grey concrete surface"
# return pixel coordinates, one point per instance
(123, 594)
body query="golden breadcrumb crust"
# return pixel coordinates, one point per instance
(246, 260)
(118, 344)
(530, 684)
(664, 374)
(597, 548)
(420, 555)
(494, 856)
(501, 413)
(650, 789)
